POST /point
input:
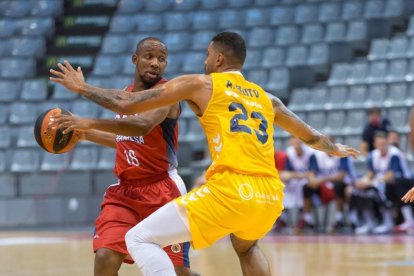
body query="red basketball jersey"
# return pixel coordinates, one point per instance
(150, 157)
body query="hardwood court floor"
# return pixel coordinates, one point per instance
(69, 254)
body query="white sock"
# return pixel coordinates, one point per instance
(339, 216)
(407, 213)
(308, 217)
(146, 240)
(387, 216)
(368, 217)
(353, 217)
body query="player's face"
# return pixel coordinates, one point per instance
(150, 62)
(381, 144)
(210, 62)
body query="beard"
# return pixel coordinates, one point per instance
(149, 83)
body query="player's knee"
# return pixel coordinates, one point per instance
(136, 236)
(105, 257)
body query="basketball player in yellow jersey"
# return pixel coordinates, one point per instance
(243, 193)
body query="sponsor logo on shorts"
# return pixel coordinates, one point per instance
(176, 248)
(246, 191)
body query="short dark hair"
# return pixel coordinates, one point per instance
(374, 110)
(380, 134)
(150, 38)
(232, 45)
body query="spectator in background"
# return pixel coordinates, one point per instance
(393, 138)
(329, 178)
(375, 123)
(295, 176)
(386, 167)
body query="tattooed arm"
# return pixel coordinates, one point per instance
(181, 88)
(287, 120)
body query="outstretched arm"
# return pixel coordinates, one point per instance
(288, 121)
(178, 89)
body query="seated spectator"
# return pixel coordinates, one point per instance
(375, 123)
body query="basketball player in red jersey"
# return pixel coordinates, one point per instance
(146, 161)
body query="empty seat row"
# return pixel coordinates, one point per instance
(28, 90)
(397, 47)
(356, 96)
(19, 9)
(23, 46)
(299, 13)
(39, 26)
(372, 72)
(17, 67)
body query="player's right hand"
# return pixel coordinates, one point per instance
(68, 77)
(409, 196)
(345, 151)
(69, 123)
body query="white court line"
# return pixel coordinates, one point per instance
(30, 240)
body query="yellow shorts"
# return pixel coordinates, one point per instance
(231, 203)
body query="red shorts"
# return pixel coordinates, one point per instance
(124, 206)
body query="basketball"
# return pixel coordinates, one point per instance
(53, 140)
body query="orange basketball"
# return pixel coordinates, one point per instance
(53, 140)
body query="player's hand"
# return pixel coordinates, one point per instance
(69, 123)
(409, 196)
(345, 151)
(68, 77)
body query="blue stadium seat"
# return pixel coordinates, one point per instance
(329, 11)
(253, 59)
(84, 158)
(397, 71)
(410, 29)
(316, 119)
(83, 108)
(282, 15)
(335, 122)
(306, 13)
(9, 90)
(258, 76)
(5, 47)
(25, 137)
(352, 10)
(260, 37)
(297, 55)
(106, 159)
(256, 17)
(175, 61)
(47, 8)
(318, 54)
(377, 94)
(106, 65)
(355, 142)
(318, 98)
(205, 20)
(356, 96)
(377, 72)
(239, 3)
(55, 162)
(16, 68)
(115, 44)
(379, 49)
(176, 21)
(231, 19)
(273, 57)
(202, 39)
(312, 33)
(335, 32)
(8, 27)
(25, 160)
(159, 5)
(130, 6)
(212, 4)
(357, 30)
(193, 62)
(340, 74)
(5, 136)
(287, 35)
(336, 97)
(149, 22)
(263, 2)
(107, 114)
(38, 26)
(398, 47)
(34, 90)
(43, 106)
(135, 38)
(186, 5)
(122, 23)
(23, 113)
(120, 82)
(399, 119)
(358, 72)
(399, 94)
(355, 120)
(61, 93)
(29, 47)
(178, 41)
(4, 113)
(395, 8)
(18, 9)
(299, 99)
(278, 81)
(374, 9)
(410, 48)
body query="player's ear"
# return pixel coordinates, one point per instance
(134, 59)
(219, 60)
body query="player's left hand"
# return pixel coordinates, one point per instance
(68, 77)
(409, 196)
(69, 123)
(345, 151)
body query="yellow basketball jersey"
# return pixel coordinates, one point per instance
(238, 123)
